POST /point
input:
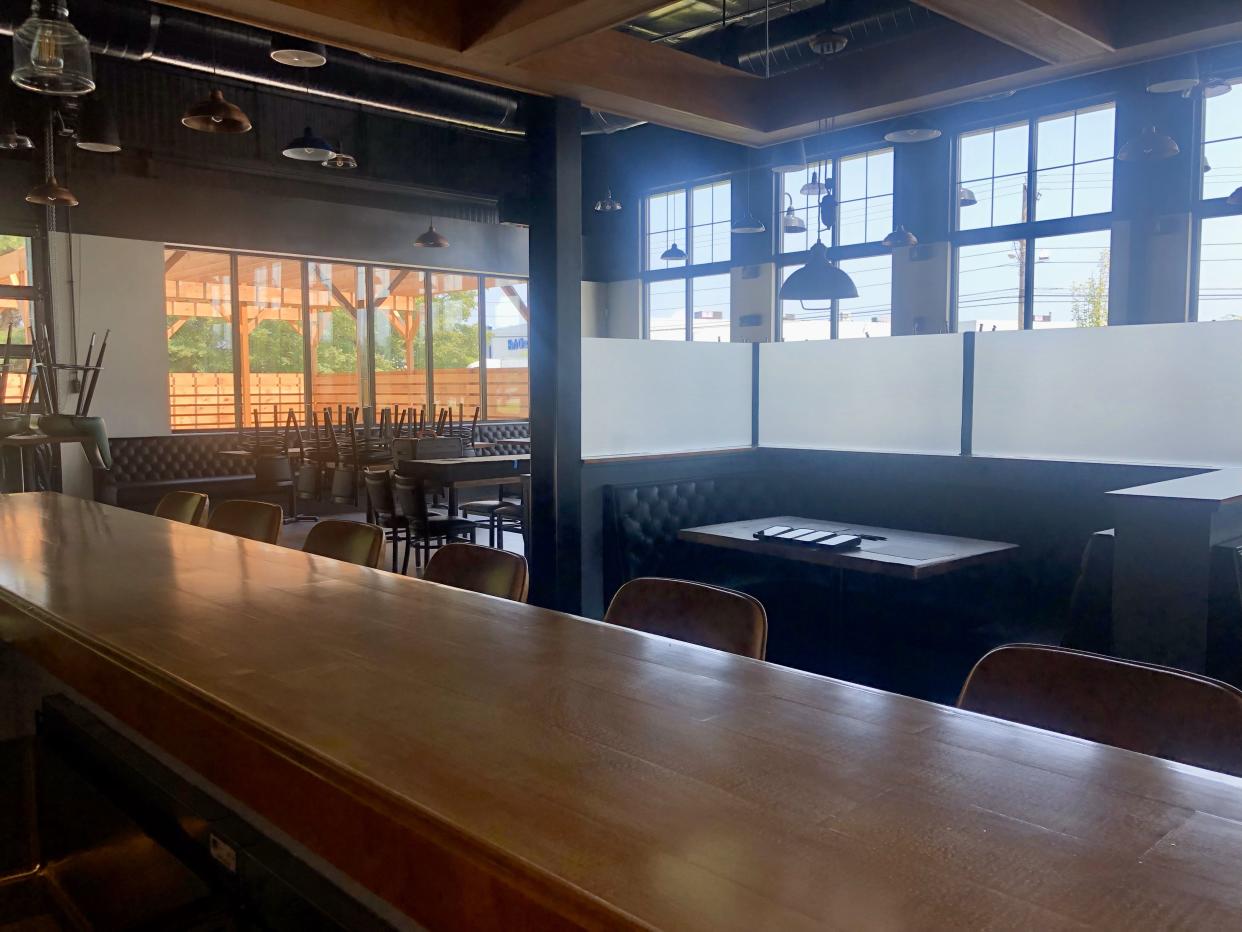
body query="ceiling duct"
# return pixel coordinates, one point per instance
(140, 31)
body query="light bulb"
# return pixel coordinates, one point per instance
(45, 52)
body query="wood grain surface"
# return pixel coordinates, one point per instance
(485, 764)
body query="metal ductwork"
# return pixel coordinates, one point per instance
(139, 31)
(784, 44)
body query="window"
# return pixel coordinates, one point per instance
(17, 304)
(863, 187)
(1218, 294)
(198, 299)
(508, 347)
(688, 299)
(1222, 144)
(270, 292)
(1033, 222)
(455, 342)
(313, 331)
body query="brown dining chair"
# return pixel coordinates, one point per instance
(1137, 706)
(710, 616)
(184, 507)
(350, 541)
(479, 569)
(253, 520)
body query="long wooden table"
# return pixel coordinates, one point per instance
(488, 765)
(884, 551)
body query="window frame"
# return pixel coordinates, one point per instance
(366, 372)
(689, 270)
(1204, 208)
(1027, 231)
(836, 253)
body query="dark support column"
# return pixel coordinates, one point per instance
(555, 146)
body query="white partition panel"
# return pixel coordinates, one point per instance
(651, 396)
(1160, 393)
(893, 395)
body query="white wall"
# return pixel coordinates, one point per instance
(594, 309)
(623, 310)
(117, 284)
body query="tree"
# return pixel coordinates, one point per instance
(1090, 298)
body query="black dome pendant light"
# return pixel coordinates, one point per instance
(673, 253)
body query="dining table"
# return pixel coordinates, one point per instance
(466, 471)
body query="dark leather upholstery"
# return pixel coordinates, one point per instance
(479, 569)
(500, 431)
(641, 524)
(1141, 707)
(144, 468)
(710, 616)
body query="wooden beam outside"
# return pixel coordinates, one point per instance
(172, 259)
(1055, 31)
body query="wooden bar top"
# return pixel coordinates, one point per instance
(483, 764)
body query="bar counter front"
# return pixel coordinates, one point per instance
(481, 764)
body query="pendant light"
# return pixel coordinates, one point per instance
(51, 194)
(1235, 198)
(298, 53)
(340, 160)
(50, 56)
(1173, 75)
(11, 138)
(308, 148)
(1215, 87)
(966, 197)
(791, 222)
(785, 156)
(674, 253)
(433, 238)
(828, 43)
(748, 222)
(1150, 145)
(818, 280)
(216, 115)
(915, 129)
(828, 210)
(900, 238)
(97, 128)
(814, 187)
(608, 204)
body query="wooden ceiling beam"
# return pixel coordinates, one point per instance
(1054, 31)
(508, 31)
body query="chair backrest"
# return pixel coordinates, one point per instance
(186, 507)
(710, 616)
(253, 520)
(351, 541)
(438, 448)
(1141, 707)
(272, 472)
(379, 490)
(480, 569)
(411, 499)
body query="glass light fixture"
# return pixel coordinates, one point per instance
(51, 194)
(216, 115)
(818, 280)
(608, 204)
(966, 197)
(900, 238)
(309, 148)
(828, 43)
(433, 238)
(340, 160)
(1150, 145)
(791, 222)
(814, 187)
(298, 53)
(50, 56)
(12, 138)
(96, 128)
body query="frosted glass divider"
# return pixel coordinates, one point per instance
(890, 395)
(650, 396)
(1155, 393)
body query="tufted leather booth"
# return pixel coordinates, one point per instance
(145, 468)
(499, 432)
(641, 524)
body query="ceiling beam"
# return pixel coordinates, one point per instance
(1055, 31)
(508, 31)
